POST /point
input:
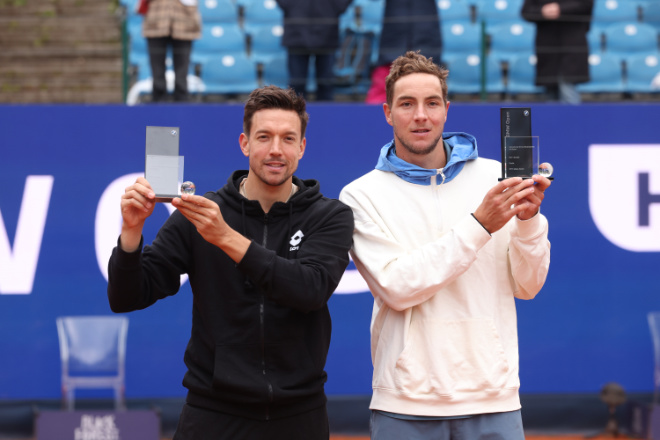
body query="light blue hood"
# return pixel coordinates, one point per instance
(463, 148)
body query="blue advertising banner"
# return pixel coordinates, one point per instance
(64, 168)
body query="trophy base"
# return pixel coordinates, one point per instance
(164, 199)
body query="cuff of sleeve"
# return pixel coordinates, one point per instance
(531, 227)
(128, 258)
(255, 261)
(480, 224)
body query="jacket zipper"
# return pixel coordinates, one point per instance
(435, 185)
(262, 313)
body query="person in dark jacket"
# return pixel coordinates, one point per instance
(311, 29)
(263, 254)
(562, 50)
(407, 25)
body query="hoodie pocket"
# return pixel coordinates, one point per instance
(444, 357)
(238, 371)
(291, 369)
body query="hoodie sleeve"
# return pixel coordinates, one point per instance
(398, 275)
(138, 279)
(529, 255)
(307, 282)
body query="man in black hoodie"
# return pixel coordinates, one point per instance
(263, 254)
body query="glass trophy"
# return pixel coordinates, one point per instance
(163, 164)
(520, 150)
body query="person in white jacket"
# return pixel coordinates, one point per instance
(445, 248)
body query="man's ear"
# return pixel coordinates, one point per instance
(388, 113)
(303, 144)
(243, 142)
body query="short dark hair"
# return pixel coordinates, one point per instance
(414, 62)
(273, 97)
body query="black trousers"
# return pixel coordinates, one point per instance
(181, 59)
(298, 64)
(201, 424)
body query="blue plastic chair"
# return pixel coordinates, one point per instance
(606, 75)
(510, 40)
(218, 39)
(92, 355)
(522, 76)
(626, 39)
(651, 14)
(348, 19)
(498, 12)
(455, 11)
(370, 16)
(609, 12)
(218, 11)
(352, 66)
(642, 69)
(229, 74)
(460, 38)
(261, 13)
(595, 40)
(465, 77)
(266, 43)
(275, 72)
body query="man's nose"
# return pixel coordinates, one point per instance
(420, 112)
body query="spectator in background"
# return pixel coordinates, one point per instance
(311, 28)
(175, 24)
(562, 50)
(407, 25)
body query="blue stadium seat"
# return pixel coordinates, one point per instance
(348, 20)
(353, 61)
(131, 6)
(229, 74)
(651, 14)
(510, 40)
(261, 13)
(275, 72)
(218, 39)
(626, 39)
(642, 69)
(460, 38)
(522, 76)
(595, 40)
(608, 12)
(497, 12)
(266, 43)
(465, 75)
(606, 75)
(370, 15)
(455, 11)
(218, 11)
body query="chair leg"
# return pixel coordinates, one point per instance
(70, 399)
(120, 400)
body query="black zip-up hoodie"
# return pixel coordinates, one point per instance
(261, 328)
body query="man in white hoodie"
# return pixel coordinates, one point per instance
(445, 248)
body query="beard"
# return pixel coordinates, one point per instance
(419, 150)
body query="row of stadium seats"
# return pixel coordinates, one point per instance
(608, 75)
(229, 45)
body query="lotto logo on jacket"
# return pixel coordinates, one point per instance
(295, 240)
